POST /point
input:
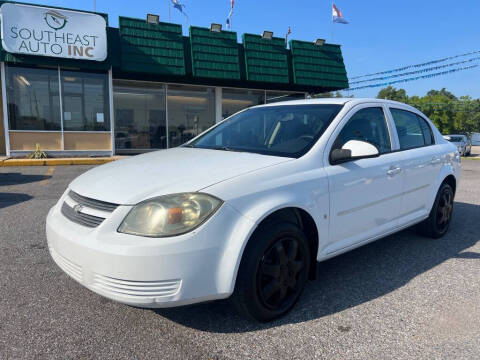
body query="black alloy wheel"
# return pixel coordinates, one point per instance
(438, 222)
(444, 210)
(273, 271)
(281, 274)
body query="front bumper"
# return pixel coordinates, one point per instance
(145, 272)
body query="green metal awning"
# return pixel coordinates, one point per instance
(160, 52)
(318, 65)
(266, 60)
(151, 48)
(214, 54)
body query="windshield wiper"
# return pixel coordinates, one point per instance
(224, 148)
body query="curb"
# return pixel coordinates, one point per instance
(55, 162)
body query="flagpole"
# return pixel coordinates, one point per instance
(169, 18)
(331, 24)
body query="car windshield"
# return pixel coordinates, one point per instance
(456, 139)
(283, 130)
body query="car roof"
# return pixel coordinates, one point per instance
(455, 135)
(334, 101)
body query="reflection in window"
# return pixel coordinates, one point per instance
(191, 110)
(140, 121)
(427, 132)
(288, 131)
(368, 125)
(234, 100)
(409, 130)
(85, 101)
(273, 96)
(33, 101)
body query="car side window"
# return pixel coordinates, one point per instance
(413, 131)
(368, 125)
(427, 131)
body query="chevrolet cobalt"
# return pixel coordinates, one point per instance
(249, 207)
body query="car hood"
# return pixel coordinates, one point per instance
(176, 170)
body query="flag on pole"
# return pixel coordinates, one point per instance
(286, 36)
(337, 16)
(229, 17)
(180, 7)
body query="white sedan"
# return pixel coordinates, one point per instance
(247, 209)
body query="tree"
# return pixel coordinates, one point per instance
(467, 115)
(439, 108)
(442, 92)
(449, 113)
(391, 93)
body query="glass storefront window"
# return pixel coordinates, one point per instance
(275, 96)
(140, 118)
(191, 110)
(32, 96)
(234, 100)
(85, 101)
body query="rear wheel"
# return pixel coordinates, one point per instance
(438, 223)
(273, 271)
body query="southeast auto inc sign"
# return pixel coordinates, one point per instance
(35, 30)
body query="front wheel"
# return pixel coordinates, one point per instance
(273, 271)
(438, 223)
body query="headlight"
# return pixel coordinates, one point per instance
(169, 215)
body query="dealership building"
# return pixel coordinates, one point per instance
(76, 86)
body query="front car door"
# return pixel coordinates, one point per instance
(422, 162)
(365, 194)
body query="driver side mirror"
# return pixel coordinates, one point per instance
(353, 150)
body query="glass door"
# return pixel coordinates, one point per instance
(140, 116)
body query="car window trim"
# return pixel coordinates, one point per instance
(429, 128)
(354, 111)
(421, 117)
(386, 126)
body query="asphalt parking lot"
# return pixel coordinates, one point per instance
(403, 297)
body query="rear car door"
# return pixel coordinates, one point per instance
(421, 163)
(365, 194)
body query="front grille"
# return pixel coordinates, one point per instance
(92, 203)
(80, 218)
(117, 287)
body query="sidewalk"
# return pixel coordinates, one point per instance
(57, 161)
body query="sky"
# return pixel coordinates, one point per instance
(381, 34)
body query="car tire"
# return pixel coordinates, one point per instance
(273, 271)
(438, 222)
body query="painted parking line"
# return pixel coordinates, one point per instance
(49, 172)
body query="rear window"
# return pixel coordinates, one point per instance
(413, 131)
(456, 139)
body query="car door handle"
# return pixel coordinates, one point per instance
(435, 160)
(394, 170)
